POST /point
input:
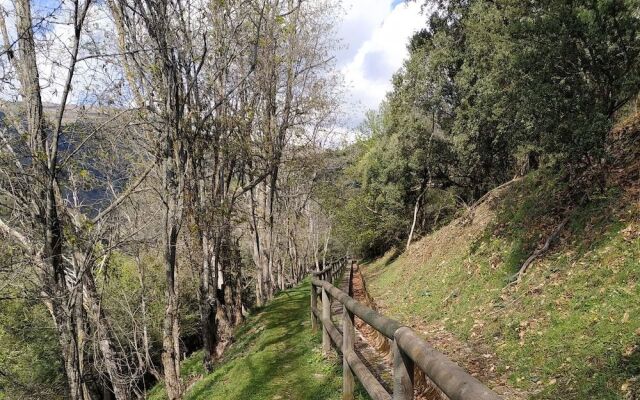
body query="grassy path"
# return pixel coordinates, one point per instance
(275, 356)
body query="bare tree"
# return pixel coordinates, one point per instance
(220, 102)
(46, 219)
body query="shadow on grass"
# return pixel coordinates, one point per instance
(396, 252)
(276, 356)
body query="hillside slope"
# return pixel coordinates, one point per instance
(570, 328)
(275, 356)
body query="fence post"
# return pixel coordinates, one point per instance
(348, 341)
(314, 305)
(402, 374)
(333, 277)
(326, 315)
(348, 338)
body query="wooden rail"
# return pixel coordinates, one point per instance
(332, 271)
(409, 350)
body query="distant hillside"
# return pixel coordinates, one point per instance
(103, 125)
(570, 327)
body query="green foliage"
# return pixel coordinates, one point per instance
(547, 73)
(576, 65)
(491, 89)
(124, 282)
(30, 365)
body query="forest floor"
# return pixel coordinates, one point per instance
(275, 356)
(570, 327)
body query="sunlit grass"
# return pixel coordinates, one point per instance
(275, 356)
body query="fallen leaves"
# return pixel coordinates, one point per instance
(630, 350)
(631, 232)
(625, 387)
(625, 317)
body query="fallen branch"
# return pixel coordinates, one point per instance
(454, 293)
(469, 214)
(488, 194)
(538, 252)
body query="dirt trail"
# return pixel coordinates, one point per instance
(375, 350)
(372, 346)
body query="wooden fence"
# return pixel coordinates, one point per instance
(409, 350)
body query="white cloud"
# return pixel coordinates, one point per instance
(377, 33)
(54, 39)
(361, 17)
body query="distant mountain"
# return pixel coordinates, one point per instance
(100, 178)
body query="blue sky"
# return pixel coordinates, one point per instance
(375, 34)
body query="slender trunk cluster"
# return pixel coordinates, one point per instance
(228, 102)
(57, 239)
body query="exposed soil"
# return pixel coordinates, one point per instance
(377, 349)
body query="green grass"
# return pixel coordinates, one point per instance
(275, 356)
(571, 328)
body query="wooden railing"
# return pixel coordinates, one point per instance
(409, 350)
(332, 271)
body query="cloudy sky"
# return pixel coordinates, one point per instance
(375, 34)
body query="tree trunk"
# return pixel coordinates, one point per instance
(64, 310)
(258, 252)
(326, 247)
(171, 329)
(105, 338)
(238, 298)
(66, 325)
(415, 218)
(207, 307)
